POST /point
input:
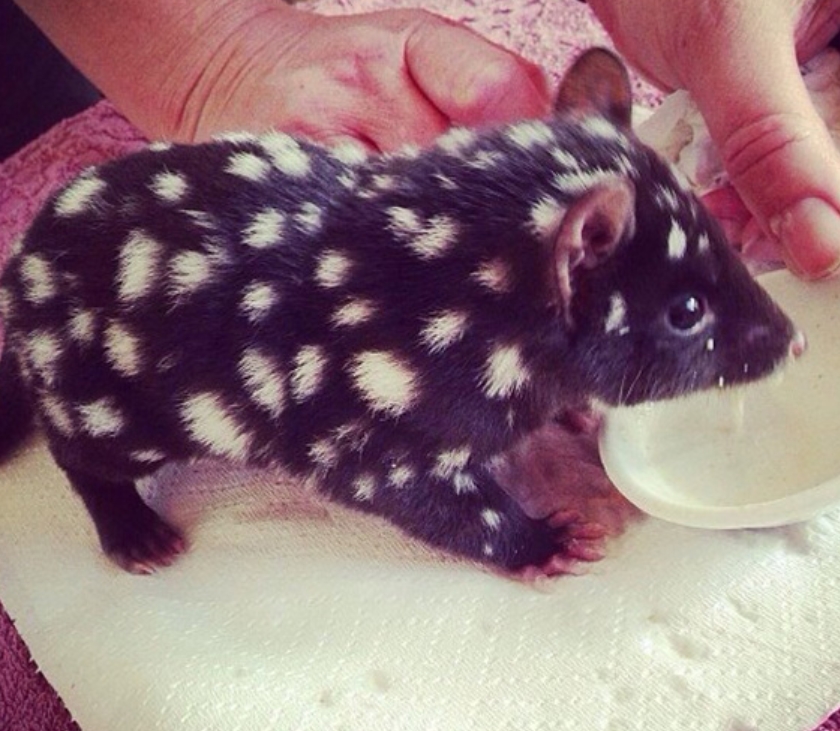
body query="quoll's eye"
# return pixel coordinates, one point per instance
(687, 314)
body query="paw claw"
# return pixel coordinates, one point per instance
(587, 531)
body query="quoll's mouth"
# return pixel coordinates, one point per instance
(763, 368)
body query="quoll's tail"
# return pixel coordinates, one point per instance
(16, 414)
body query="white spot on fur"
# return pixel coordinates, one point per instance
(444, 329)
(122, 349)
(159, 146)
(211, 423)
(401, 475)
(710, 344)
(384, 182)
(617, 315)
(200, 218)
(601, 127)
(565, 158)
(265, 229)
(191, 270)
(488, 549)
(666, 198)
(348, 179)
(491, 519)
(677, 242)
(384, 381)
(703, 244)
(450, 462)
(404, 220)
(364, 487)
(353, 435)
(456, 140)
(446, 182)
(505, 372)
(350, 152)
(532, 133)
(486, 159)
(257, 300)
(546, 217)
(355, 312)
(43, 351)
(139, 260)
(57, 414)
(148, 455)
(324, 454)
(101, 418)
(169, 187)
(39, 280)
(308, 372)
(494, 275)
(333, 269)
(80, 196)
(436, 238)
(236, 137)
(249, 166)
(264, 381)
(309, 218)
(580, 181)
(463, 483)
(286, 154)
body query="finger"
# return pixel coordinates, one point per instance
(776, 149)
(817, 26)
(411, 119)
(383, 111)
(470, 80)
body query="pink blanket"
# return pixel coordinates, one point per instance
(549, 32)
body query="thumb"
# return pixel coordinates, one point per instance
(471, 80)
(776, 148)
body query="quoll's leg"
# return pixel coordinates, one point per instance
(468, 514)
(132, 535)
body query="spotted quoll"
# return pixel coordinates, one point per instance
(394, 326)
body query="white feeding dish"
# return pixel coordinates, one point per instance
(761, 455)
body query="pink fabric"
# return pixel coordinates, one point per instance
(549, 32)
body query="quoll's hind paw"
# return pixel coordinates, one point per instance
(144, 546)
(556, 472)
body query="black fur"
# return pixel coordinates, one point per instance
(16, 413)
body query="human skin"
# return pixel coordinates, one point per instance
(739, 59)
(188, 69)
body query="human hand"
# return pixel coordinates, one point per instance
(385, 79)
(739, 60)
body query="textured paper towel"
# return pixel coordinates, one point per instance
(288, 614)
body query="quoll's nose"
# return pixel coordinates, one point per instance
(798, 344)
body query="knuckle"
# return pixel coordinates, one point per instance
(754, 143)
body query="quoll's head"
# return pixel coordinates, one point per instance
(656, 302)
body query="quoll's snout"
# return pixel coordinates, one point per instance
(764, 335)
(798, 345)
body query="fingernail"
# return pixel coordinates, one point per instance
(809, 232)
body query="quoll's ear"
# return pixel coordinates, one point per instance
(597, 84)
(591, 230)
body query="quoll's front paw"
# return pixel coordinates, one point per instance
(530, 548)
(575, 541)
